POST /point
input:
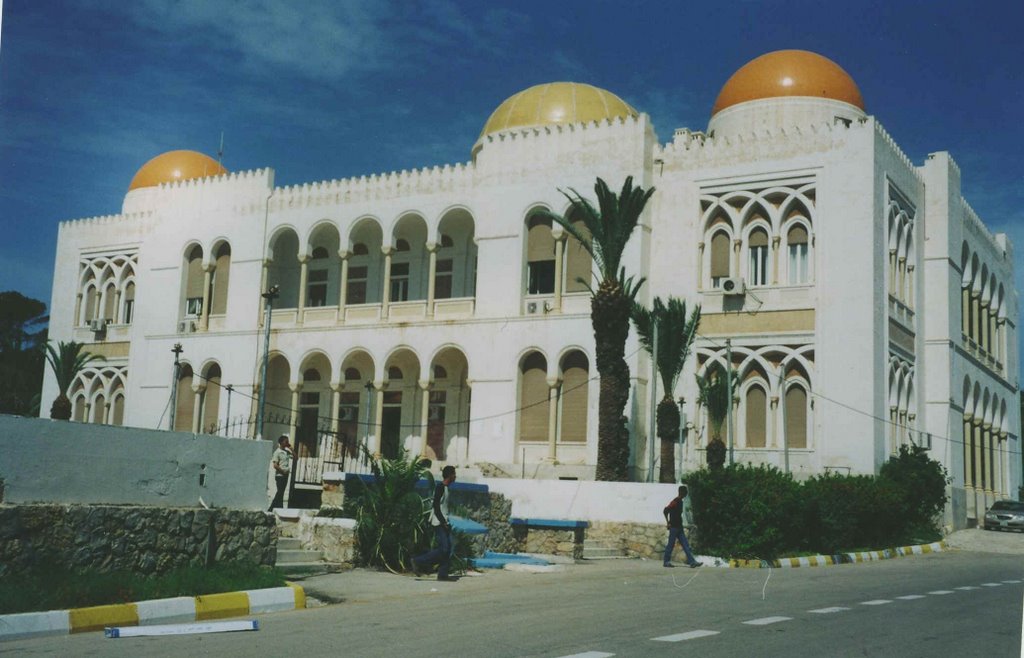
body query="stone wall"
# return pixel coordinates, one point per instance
(635, 539)
(335, 538)
(144, 540)
(550, 541)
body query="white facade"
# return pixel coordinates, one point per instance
(871, 289)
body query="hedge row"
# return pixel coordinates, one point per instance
(761, 512)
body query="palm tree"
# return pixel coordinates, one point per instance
(608, 229)
(675, 338)
(714, 395)
(66, 362)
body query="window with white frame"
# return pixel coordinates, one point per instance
(400, 282)
(317, 288)
(796, 239)
(719, 258)
(193, 307)
(757, 266)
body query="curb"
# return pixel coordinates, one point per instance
(831, 560)
(182, 609)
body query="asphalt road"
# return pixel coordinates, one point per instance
(959, 603)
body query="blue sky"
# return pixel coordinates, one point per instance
(90, 90)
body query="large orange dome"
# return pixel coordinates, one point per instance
(554, 103)
(175, 166)
(789, 73)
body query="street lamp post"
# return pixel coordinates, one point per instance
(177, 349)
(369, 395)
(269, 296)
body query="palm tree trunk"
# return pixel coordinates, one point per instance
(668, 432)
(61, 408)
(610, 311)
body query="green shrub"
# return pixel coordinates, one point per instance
(919, 489)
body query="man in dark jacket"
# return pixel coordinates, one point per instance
(439, 518)
(674, 520)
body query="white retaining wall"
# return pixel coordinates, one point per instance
(585, 500)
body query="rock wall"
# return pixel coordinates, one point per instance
(550, 541)
(144, 540)
(635, 539)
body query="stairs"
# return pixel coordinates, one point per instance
(294, 560)
(595, 551)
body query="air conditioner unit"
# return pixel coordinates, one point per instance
(186, 327)
(98, 325)
(532, 308)
(733, 286)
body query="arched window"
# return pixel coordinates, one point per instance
(219, 285)
(540, 256)
(109, 303)
(757, 264)
(578, 263)
(756, 417)
(719, 258)
(796, 416)
(575, 378)
(194, 282)
(395, 374)
(99, 410)
(796, 240)
(316, 284)
(533, 398)
(352, 375)
(185, 400)
(128, 304)
(211, 400)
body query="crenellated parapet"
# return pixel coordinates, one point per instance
(897, 151)
(106, 220)
(977, 229)
(377, 187)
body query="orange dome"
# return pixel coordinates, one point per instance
(789, 73)
(174, 166)
(556, 103)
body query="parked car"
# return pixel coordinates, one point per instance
(1005, 515)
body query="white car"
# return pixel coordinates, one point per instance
(1005, 515)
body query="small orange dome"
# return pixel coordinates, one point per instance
(789, 73)
(175, 166)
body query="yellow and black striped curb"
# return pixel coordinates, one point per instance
(841, 558)
(160, 611)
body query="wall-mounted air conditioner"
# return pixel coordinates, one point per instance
(186, 326)
(532, 308)
(98, 325)
(733, 286)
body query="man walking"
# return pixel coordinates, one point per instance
(674, 520)
(439, 519)
(282, 463)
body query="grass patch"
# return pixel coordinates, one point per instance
(55, 589)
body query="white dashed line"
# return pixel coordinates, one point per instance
(967, 587)
(590, 654)
(876, 602)
(911, 597)
(991, 584)
(828, 611)
(679, 637)
(764, 621)
(940, 592)
(1011, 582)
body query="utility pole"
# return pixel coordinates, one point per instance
(652, 440)
(227, 414)
(269, 296)
(728, 388)
(369, 396)
(785, 429)
(682, 434)
(177, 349)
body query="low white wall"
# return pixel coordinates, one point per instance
(585, 500)
(45, 461)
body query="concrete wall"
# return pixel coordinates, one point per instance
(584, 500)
(44, 461)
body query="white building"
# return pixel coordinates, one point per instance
(436, 303)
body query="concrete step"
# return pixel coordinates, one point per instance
(291, 556)
(595, 552)
(306, 569)
(289, 544)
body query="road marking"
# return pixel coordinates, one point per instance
(876, 602)
(991, 584)
(827, 611)
(940, 592)
(911, 597)
(764, 621)
(679, 637)
(590, 654)
(1011, 582)
(967, 587)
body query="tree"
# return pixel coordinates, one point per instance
(66, 362)
(22, 333)
(675, 338)
(608, 229)
(714, 396)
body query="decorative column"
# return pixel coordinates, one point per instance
(983, 328)
(424, 414)
(303, 280)
(910, 286)
(335, 403)
(117, 307)
(78, 309)
(293, 423)
(901, 293)
(968, 437)
(204, 312)
(965, 314)
(560, 241)
(736, 244)
(106, 412)
(892, 272)
(902, 428)
(343, 287)
(893, 428)
(975, 306)
(197, 406)
(989, 449)
(385, 294)
(378, 419)
(1000, 344)
(552, 417)
(776, 240)
(431, 284)
(1004, 456)
(993, 334)
(264, 274)
(977, 454)
(774, 438)
(700, 266)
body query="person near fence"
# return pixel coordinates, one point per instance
(439, 519)
(674, 520)
(282, 463)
